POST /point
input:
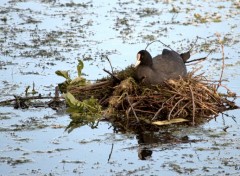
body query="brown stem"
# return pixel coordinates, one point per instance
(193, 105)
(131, 108)
(223, 64)
(159, 110)
(174, 107)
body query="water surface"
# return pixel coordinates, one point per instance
(38, 37)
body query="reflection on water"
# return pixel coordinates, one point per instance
(149, 140)
(39, 37)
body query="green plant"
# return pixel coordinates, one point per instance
(78, 81)
(86, 112)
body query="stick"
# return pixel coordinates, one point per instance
(181, 109)
(194, 60)
(144, 111)
(159, 110)
(174, 108)
(160, 42)
(203, 58)
(111, 74)
(132, 108)
(223, 63)
(110, 154)
(193, 105)
(24, 98)
(109, 63)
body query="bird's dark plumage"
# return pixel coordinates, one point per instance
(168, 65)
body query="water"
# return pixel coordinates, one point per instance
(39, 37)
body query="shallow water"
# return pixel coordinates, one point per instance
(39, 37)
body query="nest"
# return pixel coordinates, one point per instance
(128, 104)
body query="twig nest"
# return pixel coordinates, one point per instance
(190, 99)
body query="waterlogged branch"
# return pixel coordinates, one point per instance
(19, 102)
(5, 102)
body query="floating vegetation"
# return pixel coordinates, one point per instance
(14, 162)
(72, 4)
(148, 12)
(215, 17)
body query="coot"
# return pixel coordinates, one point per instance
(168, 65)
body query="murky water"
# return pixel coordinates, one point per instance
(39, 37)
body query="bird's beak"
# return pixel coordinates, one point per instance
(138, 60)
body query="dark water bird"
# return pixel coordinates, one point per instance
(168, 65)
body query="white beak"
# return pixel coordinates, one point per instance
(138, 60)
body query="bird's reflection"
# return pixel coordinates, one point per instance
(147, 140)
(144, 153)
(144, 140)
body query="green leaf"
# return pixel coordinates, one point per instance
(83, 112)
(70, 99)
(89, 106)
(64, 74)
(80, 67)
(78, 81)
(72, 110)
